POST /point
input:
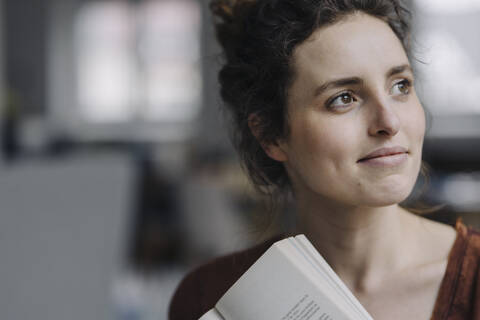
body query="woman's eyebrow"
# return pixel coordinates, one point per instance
(338, 83)
(358, 81)
(398, 69)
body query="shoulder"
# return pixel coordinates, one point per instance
(467, 245)
(458, 296)
(200, 290)
(464, 258)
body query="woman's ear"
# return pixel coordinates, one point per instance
(274, 149)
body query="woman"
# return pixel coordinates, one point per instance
(323, 103)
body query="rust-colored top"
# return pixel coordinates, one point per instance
(458, 298)
(459, 295)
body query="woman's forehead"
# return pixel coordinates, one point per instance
(355, 44)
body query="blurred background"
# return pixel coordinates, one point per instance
(116, 172)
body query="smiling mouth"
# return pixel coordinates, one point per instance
(393, 155)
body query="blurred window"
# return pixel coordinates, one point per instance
(448, 7)
(138, 61)
(448, 46)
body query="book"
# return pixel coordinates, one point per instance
(290, 281)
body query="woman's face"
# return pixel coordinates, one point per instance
(356, 124)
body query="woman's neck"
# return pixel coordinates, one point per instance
(363, 245)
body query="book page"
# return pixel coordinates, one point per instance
(212, 314)
(277, 288)
(321, 280)
(326, 272)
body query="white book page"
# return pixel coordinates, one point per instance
(320, 279)
(213, 314)
(327, 279)
(276, 288)
(326, 271)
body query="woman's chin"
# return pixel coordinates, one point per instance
(392, 191)
(386, 197)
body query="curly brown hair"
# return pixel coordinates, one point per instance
(258, 38)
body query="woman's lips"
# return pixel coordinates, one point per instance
(385, 157)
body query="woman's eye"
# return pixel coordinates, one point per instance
(401, 87)
(342, 100)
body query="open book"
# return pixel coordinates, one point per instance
(290, 281)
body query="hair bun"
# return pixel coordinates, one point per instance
(223, 8)
(230, 27)
(228, 9)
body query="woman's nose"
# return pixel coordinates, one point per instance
(385, 121)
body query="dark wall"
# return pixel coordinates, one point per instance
(25, 53)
